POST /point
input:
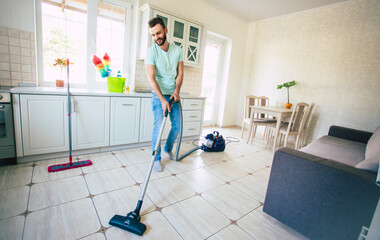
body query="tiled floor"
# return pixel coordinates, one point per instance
(204, 196)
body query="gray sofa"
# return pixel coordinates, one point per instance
(319, 191)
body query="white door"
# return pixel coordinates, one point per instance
(44, 124)
(211, 80)
(90, 121)
(146, 118)
(125, 119)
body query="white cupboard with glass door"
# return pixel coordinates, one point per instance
(183, 33)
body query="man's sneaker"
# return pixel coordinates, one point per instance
(157, 166)
(170, 154)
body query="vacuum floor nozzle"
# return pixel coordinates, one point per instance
(128, 223)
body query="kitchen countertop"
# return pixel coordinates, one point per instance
(83, 92)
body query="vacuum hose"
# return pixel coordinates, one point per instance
(179, 140)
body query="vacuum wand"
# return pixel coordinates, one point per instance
(131, 222)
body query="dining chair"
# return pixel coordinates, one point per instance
(293, 128)
(306, 126)
(261, 119)
(250, 100)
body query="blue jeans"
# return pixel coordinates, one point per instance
(158, 116)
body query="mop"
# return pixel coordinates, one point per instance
(131, 222)
(65, 166)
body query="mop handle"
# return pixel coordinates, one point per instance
(69, 110)
(147, 177)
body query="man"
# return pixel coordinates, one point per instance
(164, 67)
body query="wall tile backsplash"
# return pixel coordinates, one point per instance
(17, 57)
(192, 81)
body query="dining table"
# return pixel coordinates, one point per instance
(276, 111)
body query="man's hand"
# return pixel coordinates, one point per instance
(175, 96)
(165, 105)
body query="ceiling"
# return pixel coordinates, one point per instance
(253, 10)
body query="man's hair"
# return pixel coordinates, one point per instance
(154, 21)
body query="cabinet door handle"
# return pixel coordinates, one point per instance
(191, 129)
(127, 104)
(194, 104)
(75, 106)
(193, 116)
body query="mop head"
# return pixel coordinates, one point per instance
(65, 166)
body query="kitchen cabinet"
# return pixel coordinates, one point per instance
(124, 120)
(90, 121)
(192, 117)
(44, 124)
(146, 120)
(183, 33)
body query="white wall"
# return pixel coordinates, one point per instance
(332, 52)
(17, 14)
(224, 24)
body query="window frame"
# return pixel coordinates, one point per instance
(92, 8)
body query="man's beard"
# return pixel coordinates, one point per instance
(163, 40)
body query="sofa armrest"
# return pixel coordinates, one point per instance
(350, 134)
(320, 198)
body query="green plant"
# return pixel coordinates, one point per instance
(287, 85)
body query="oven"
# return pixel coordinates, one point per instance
(7, 137)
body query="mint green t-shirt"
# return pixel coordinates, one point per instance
(166, 64)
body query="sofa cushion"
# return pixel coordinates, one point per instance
(372, 153)
(337, 149)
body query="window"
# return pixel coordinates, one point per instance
(77, 29)
(110, 35)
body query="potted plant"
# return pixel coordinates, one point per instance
(287, 85)
(61, 62)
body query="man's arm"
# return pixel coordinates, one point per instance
(178, 83)
(151, 73)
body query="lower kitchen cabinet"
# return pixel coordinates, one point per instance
(90, 121)
(44, 124)
(125, 120)
(96, 122)
(146, 120)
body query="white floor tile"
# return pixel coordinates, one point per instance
(120, 202)
(41, 173)
(138, 172)
(55, 192)
(165, 191)
(105, 181)
(158, 228)
(101, 163)
(254, 185)
(16, 177)
(13, 201)
(261, 226)
(68, 221)
(194, 218)
(133, 156)
(96, 236)
(226, 171)
(231, 202)
(11, 228)
(248, 164)
(231, 232)
(200, 180)
(186, 164)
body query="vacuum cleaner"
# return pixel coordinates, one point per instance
(131, 222)
(213, 142)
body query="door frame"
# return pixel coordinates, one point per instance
(215, 108)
